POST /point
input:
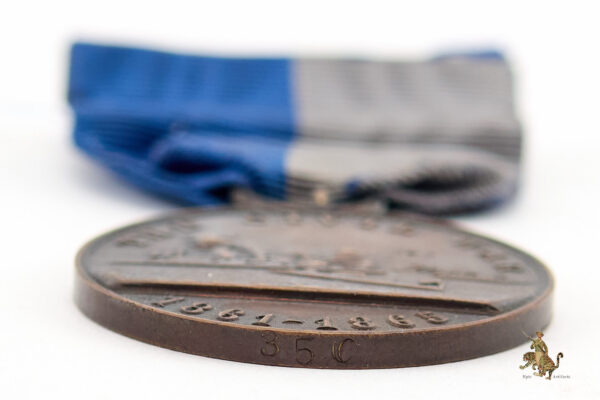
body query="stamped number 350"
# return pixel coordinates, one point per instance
(304, 354)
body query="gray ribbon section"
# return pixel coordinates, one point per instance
(436, 136)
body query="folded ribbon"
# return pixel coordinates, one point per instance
(435, 136)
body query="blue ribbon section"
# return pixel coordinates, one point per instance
(186, 127)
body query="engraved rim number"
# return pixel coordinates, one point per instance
(304, 355)
(271, 347)
(337, 351)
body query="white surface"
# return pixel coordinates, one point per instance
(53, 199)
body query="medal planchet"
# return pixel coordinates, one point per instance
(318, 289)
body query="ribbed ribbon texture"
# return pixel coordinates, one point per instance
(435, 136)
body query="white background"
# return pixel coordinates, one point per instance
(53, 199)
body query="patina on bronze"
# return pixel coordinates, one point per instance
(318, 289)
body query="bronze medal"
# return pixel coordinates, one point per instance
(318, 289)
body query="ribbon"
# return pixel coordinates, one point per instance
(435, 136)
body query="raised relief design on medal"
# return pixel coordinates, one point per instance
(466, 275)
(147, 235)
(143, 238)
(208, 241)
(167, 253)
